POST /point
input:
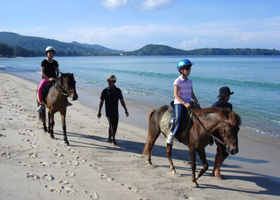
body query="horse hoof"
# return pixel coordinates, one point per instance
(195, 185)
(67, 143)
(45, 129)
(52, 136)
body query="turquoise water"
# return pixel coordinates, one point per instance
(255, 81)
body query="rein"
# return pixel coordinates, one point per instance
(224, 123)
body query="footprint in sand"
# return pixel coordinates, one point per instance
(44, 164)
(25, 140)
(134, 189)
(74, 162)
(92, 195)
(68, 189)
(59, 155)
(31, 176)
(7, 155)
(26, 164)
(72, 151)
(33, 147)
(61, 145)
(63, 182)
(48, 177)
(33, 155)
(81, 160)
(53, 189)
(70, 174)
(107, 178)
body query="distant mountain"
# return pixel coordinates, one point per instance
(97, 47)
(155, 50)
(12, 44)
(39, 44)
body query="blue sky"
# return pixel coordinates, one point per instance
(131, 24)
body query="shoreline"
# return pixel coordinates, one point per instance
(33, 165)
(91, 98)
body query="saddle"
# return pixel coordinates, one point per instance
(168, 120)
(46, 90)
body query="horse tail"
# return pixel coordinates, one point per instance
(146, 147)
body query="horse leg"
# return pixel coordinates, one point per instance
(152, 137)
(203, 159)
(44, 120)
(51, 123)
(193, 165)
(63, 120)
(168, 154)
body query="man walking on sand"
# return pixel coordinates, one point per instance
(112, 95)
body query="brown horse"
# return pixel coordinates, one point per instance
(205, 122)
(56, 101)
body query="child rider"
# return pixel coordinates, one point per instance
(183, 93)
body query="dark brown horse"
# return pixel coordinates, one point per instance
(56, 101)
(205, 122)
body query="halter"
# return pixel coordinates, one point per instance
(214, 137)
(63, 90)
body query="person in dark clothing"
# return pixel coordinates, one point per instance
(111, 95)
(221, 154)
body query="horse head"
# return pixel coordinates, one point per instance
(229, 132)
(69, 85)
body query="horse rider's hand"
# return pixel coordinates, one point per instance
(187, 105)
(127, 114)
(99, 115)
(51, 79)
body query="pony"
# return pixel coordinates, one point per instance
(205, 123)
(56, 101)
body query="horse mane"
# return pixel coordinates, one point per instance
(232, 117)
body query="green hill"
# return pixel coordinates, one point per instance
(12, 45)
(155, 50)
(38, 44)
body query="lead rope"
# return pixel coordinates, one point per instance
(209, 132)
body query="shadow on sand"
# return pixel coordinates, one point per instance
(270, 185)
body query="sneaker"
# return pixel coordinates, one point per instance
(40, 108)
(169, 139)
(69, 104)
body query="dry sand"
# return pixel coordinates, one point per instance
(34, 166)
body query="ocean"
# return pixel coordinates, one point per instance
(148, 80)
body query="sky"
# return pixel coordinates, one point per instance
(131, 24)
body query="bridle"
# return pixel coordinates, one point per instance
(222, 124)
(63, 89)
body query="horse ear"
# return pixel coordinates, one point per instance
(61, 73)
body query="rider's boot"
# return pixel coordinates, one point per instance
(40, 108)
(170, 138)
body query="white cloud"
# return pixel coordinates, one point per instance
(154, 4)
(186, 43)
(114, 4)
(143, 4)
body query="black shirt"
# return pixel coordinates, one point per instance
(49, 68)
(111, 98)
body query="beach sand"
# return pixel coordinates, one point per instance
(34, 166)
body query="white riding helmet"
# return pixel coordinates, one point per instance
(49, 48)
